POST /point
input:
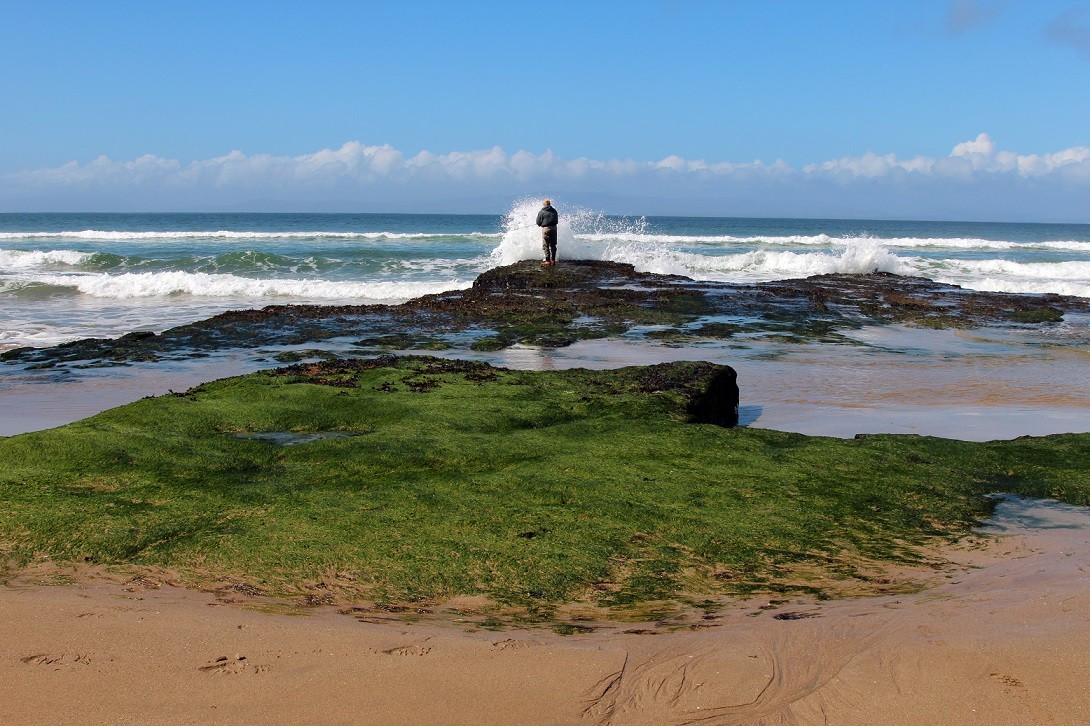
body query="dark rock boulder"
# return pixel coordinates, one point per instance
(710, 390)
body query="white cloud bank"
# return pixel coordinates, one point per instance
(968, 160)
(976, 180)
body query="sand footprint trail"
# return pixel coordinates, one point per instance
(739, 678)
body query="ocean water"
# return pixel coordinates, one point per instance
(70, 276)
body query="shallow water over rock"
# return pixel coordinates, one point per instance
(833, 355)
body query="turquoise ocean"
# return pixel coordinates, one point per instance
(70, 276)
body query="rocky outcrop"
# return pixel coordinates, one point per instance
(709, 392)
(576, 300)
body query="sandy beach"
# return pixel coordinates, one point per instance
(1000, 639)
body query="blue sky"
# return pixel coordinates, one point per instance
(687, 106)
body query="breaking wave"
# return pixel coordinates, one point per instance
(824, 240)
(966, 261)
(36, 259)
(201, 284)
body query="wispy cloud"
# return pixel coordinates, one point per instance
(1071, 28)
(964, 15)
(381, 177)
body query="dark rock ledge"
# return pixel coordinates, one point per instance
(555, 307)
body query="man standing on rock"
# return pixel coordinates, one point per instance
(547, 219)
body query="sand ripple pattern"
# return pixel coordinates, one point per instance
(787, 680)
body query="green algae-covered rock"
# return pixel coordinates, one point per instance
(417, 479)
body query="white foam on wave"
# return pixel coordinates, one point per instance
(1065, 246)
(34, 259)
(763, 265)
(824, 240)
(59, 320)
(34, 334)
(700, 239)
(958, 243)
(436, 267)
(1035, 287)
(122, 235)
(201, 284)
(1062, 278)
(1068, 270)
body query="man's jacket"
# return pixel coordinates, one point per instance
(547, 217)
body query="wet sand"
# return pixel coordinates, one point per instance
(1000, 640)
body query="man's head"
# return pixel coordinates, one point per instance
(545, 202)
